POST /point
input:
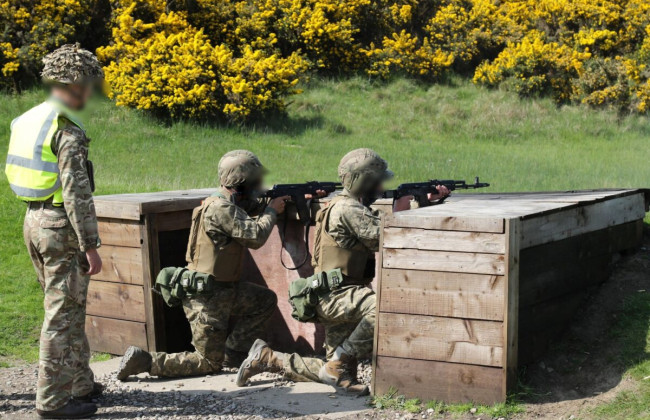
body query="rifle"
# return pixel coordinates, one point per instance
(297, 193)
(420, 190)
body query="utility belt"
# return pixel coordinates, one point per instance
(45, 204)
(304, 294)
(178, 283)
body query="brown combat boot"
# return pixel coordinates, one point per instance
(342, 373)
(260, 359)
(134, 361)
(72, 410)
(96, 392)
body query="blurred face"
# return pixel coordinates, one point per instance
(74, 96)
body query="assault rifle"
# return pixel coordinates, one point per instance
(421, 190)
(297, 193)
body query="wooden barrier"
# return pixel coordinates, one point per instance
(143, 232)
(467, 287)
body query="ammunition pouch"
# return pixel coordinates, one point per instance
(178, 283)
(304, 294)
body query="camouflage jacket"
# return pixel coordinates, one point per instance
(70, 145)
(225, 221)
(351, 222)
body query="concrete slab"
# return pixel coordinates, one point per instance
(300, 398)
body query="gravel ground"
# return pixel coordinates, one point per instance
(17, 394)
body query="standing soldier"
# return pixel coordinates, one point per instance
(47, 167)
(222, 228)
(347, 236)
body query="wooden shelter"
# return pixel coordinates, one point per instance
(141, 233)
(469, 290)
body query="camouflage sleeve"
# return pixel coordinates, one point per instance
(223, 218)
(71, 147)
(362, 223)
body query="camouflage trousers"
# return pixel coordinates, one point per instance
(63, 368)
(242, 309)
(348, 315)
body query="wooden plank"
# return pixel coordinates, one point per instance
(459, 262)
(458, 295)
(556, 313)
(174, 220)
(114, 300)
(114, 336)
(120, 264)
(379, 298)
(468, 224)
(580, 220)
(444, 240)
(125, 233)
(117, 209)
(443, 339)
(154, 309)
(440, 381)
(511, 303)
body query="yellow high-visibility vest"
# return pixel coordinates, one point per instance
(32, 167)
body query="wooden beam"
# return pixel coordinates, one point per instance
(122, 233)
(468, 224)
(582, 219)
(379, 299)
(458, 295)
(117, 209)
(114, 336)
(458, 262)
(444, 240)
(155, 311)
(511, 303)
(174, 221)
(443, 339)
(441, 381)
(114, 300)
(120, 264)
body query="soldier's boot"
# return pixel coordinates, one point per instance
(72, 410)
(134, 361)
(341, 372)
(96, 392)
(261, 358)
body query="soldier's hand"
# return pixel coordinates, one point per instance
(442, 193)
(402, 203)
(279, 203)
(95, 262)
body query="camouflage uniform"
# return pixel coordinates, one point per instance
(57, 238)
(210, 316)
(348, 313)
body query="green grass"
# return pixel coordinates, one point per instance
(632, 332)
(424, 132)
(394, 401)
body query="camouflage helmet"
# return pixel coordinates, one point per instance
(71, 64)
(239, 167)
(361, 170)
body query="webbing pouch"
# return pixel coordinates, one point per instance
(169, 287)
(177, 283)
(303, 300)
(304, 294)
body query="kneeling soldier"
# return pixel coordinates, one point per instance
(347, 236)
(47, 167)
(222, 228)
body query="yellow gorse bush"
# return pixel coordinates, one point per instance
(238, 59)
